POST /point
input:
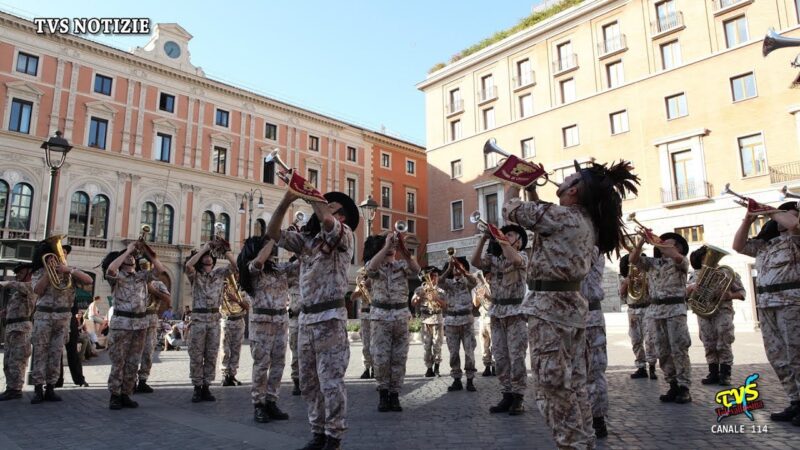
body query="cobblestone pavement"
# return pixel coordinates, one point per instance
(432, 418)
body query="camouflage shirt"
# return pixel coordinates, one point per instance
(271, 292)
(324, 260)
(665, 279)
(293, 281)
(152, 316)
(52, 298)
(424, 311)
(130, 295)
(776, 263)
(562, 251)
(389, 285)
(592, 289)
(458, 297)
(506, 281)
(20, 305)
(207, 293)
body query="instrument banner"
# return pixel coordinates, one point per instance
(496, 233)
(302, 188)
(518, 171)
(755, 207)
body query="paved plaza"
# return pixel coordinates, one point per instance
(432, 418)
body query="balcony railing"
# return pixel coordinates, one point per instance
(487, 93)
(7, 233)
(722, 4)
(667, 22)
(689, 191)
(456, 106)
(87, 242)
(566, 63)
(612, 44)
(782, 173)
(525, 79)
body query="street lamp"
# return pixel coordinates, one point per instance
(55, 152)
(368, 208)
(249, 197)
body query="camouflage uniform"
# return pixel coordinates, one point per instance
(389, 316)
(666, 281)
(293, 281)
(150, 336)
(232, 336)
(509, 330)
(779, 311)
(592, 291)
(366, 335)
(562, 252)
(204, 324)
(18, 334)
(322, 337)
(717, 331)
(640, 330)
(128, 329)
(269, 322)
(50, 328)
(432, 329)
(458, 321)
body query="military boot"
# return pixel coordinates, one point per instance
(235, 381)
(504, 404)
(38, 395)
(429, 373)
(436, 369)
(296, 390)
(260, 414)
(143, 388)
(383, 402)
(228, 381)
(332, 443)
(394, 402)
(205, 394)
(713, 375)
(517, 405)
(10, 394)
(487, 371)
(365, 375)
(115, 402)
(599, 425)
(684, 396)
(127, 402)
(653, 375)
(641, 372)
(50, 394)
(671, 393)
(724, 374)
(470, 385)
(784, 416)
(316, 443)
(197, 395)
(456, 386)
(274, 412)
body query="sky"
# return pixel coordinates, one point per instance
(355, 60)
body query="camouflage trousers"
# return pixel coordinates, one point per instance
(509, 344)
(716, 332)
(558, 365)
(48, 342)
(148, 349)
(293, 346)
(461, 336)
(203, 351)
(390, 347)
(232, 337)
(596, 383)
(780, 329)
(324, 355)
(432, 335)
(125, 353)
(486, 339)
(268, 349)
(672, 343)
(366, 343)
(15, 357)
(640, 330)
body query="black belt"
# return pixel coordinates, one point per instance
(293, 314)
(667, 301)
(131, 315)
(271, 312)
(382, 305)
(554, 285)
(639, 305)
(507, 301)
(236, 317)
(778, 287)
(429, 312)
(365, 310)
(594, 305)
(205, 310)
(48, 309)
(18, 320)
(463, 312)
(324, 306)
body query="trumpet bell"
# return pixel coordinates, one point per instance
(274, 156)
(451, 251)
(491, 147)
(774, 41)
(299, 217)
(475, 217)
(400, 226)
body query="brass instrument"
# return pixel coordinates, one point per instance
(361, 285)
(751, 205)
(481, 224)
(142, 249)
(401, 227)
(454, 262)
(286, 172)
(637, 285)
(647, 233)
(299, 219)
(430, 291)
(491, 147)
(219, 245)
(774, 41)
(230, 290)
(51, 262)
(712, 283)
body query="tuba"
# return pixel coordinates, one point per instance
(361, 285)
(230, 291)
(51, 261)
(712, 283)
(637, 286)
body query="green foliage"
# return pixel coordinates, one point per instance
(523, 24)
(353, 327)
(414, 325)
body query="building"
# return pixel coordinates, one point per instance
(158, 143)
(678, 87)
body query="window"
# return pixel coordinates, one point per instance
(692, 234)
(164, 230)
(386, 197)
(226, 221)
(565, 56)
(97, 133)
(219, 160)
(670, 55)
(570, 136)
(351, 187)
(20, 118)
(411, 202)
(3, 203)
(457, 215)
(676, 106)
(78, 214)
(386, 160)
(612, 38)
(667, 16)
(313, 143)
(735, 31)
(149, 219)
(455, 130)
(756, 226)
(351, 154)
(619, 122)
(487, 88)
(166, 102)
(20, 214)
(455, 169)
(386, 221)
(491, 208)
(615, 74)
(269, 172)
(271, 131)
(98, 217)
(528, 149)
(456, 104)
(524, 73)
(683, 180)
(102, 84)
(411, 167)
(313, 177)
(567, 90)
(163, 147)
(412, 226)
(753, 155)
(206, 226)
(222, 118)
(525, 105)
(743, 87)
(27, 64)
(488, 118)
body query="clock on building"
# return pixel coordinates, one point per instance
(172, 49)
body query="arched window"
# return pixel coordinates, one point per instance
(3, 203)
(21, 200)
(226, 220)
(98, 218)
(260, 228)
(207, 226)
(78, 214)
(164, 234)
(149, 218)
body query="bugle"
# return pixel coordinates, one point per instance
(774, 41)
(647, 233)
(219, 245)
(401, 227)
(299, 221)
(751, 205)
(142, 248)
(455, 263)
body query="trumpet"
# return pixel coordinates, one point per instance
(491, 147)
(401, 227)
(455, 263)
(51, 262)
(786, 193)
(219, 245)
(647, 233)
(284, 174)
(475, 218)
(141, 244)
(751, 205)
(299, 219)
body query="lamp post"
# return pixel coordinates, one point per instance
(368, 208)
(249, 197)
(55, 152)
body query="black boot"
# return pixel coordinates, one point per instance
(383, 401)
(235, 381)
(470, 386)
(38, 395)
(274, 412)
(296, 390)
(394, 402)
(713, 375)
(504, 404)
(205, 394)
(456, 386)
(371, 376)
(653, 375)
(332, 443)
(487, 371)
(197, 395)
(684, 396)
(115, 402)
(784, 416)
(10, 394)
(599, 425)
(796, 420)
(641, 372)
(517, 405)
(724, 375)
(98, 346)
(316, 443)
(228, 381)
(494, 371)
(143, 388)
(260, 414)
(429, 373)
(127, 402)
(50, 394)
(436, 369)
(671, 393)
(365, 375)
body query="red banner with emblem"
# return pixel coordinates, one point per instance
(304, 189)
(518, 171)
(497, 234)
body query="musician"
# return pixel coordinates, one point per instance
(365, 329)
(505, 263)
(667, 273)
(389, 267)
(640, 327)
(457, 284)
(428, 300)
(588, 215)
(50, 321)
(129, 323)
(293, 280)
(17, 340)
(716, 331)
(232, 336)
(480, 301)
(266, 282)
(158, 298)
(325, 250)
(777, 250)
(208, 284)
(596, 384)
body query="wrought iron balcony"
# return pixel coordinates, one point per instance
(667, 22)
(455, 107)
(688, 191)
(782, 173)
(7, 233)
(565, 64)
(487, 93)
(611, 45)
(525, 79)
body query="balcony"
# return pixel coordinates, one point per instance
(7, 233)
(612, 46)
(454, 107)
(523, 80)
(667, 24)
(487, 94)
(782, 173)
(723, 6)
(680, 194)
(565, 64)
(87, 242)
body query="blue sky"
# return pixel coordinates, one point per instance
(355, 60)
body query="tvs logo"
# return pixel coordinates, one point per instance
(739, 400)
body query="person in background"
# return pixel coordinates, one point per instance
(168, 314)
